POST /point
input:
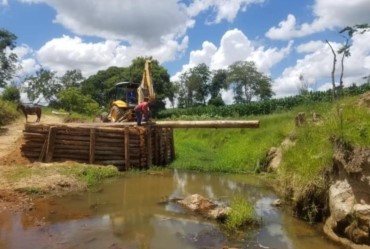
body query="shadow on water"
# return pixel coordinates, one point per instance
(127, 213)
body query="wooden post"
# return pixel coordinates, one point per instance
(43, 150)
(172, 141)
(92, 146)
(156, 144)
(50, 144)
(166, 145)
(127, 148)
(149, 142)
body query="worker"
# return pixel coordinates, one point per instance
(142, 110)
(131, 96)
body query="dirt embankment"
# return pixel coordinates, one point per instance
(10, 155)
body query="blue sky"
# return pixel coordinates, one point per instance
(285, 38)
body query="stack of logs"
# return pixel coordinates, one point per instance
(123, 146)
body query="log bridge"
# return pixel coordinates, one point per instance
(124, 145)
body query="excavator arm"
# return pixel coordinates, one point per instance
(146, 89)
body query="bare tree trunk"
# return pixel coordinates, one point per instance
(333, 71)
(342, 72)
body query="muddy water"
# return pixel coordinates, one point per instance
(132, 213)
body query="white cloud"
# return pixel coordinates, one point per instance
(310, 47)
(66, 53)
(139, 21)
(316, 66)
(328, 14)
(4, 2)
(235, 46)
(222, 10)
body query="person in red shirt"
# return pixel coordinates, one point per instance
(141, 110)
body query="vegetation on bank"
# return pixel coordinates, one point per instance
(242, 214)
(8, 112)
(52, 178)
(230, 150)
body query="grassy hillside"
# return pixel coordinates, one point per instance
(242, 150)
(230, 150)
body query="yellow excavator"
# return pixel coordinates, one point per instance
(126, 95)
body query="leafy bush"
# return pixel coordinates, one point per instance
(7, 112)
(72, 99)
(11, 93)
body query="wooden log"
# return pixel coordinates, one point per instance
(149, 146)
(50, 144)
(71, 146)
(73, 138)
(127, 148)
(73, 151)
(71, 142)
(92, 145)
(172, 142)
(209, 124)
(33, 135)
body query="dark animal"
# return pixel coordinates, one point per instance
(30, 110)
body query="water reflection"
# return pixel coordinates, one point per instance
(127, 213)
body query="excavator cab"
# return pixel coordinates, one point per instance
(123, 98)
(126, 95)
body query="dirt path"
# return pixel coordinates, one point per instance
(11, 134)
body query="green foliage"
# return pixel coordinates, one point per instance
(99, 85)
(230, 150)
(261, 107)
(194, 86)
(72, 99)
(247, 82)
(7, 60)
(7, 112)
(12, 94)
(72, 78)
(94, 174)
(44, 84)
(242, 213)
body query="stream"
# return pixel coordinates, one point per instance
(131, 212)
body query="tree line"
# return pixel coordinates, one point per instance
(73, 92)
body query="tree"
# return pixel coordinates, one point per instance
(43, 84)
(247, 82)
(11, 93)
(218, 82)
(163, 87)
(72, 99)
(71, 78)
(333, 70)
(98, 85)
(7, 58)
(194, 86)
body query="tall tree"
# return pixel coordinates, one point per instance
(7, 58)
(218, 82)
(44, 84)
(71, 78)
(247, 82)
(194, 86)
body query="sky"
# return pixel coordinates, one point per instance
(286, 39)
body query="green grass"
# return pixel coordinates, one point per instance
(242, 214)
(230, 150)
(90, 175)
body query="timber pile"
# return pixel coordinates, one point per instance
(125, 146)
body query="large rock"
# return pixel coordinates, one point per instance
(205, 207)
